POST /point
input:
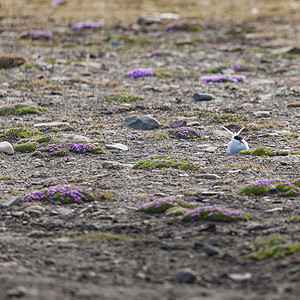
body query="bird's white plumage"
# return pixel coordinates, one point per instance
(236, 145)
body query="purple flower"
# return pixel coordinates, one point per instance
(140, 72)
(58, 3)
(238, 68)
(37, 34)
(86, 24)
(173, 26)
(160, 52)
(222, 78)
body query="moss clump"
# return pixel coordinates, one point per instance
(224, 118)
(177, 211)
(163, 204)
(216, 70)
(18, 131)
(63, 193)
(30, 144)
(259, 151)
(187, 133)
(183, 42)
(19, 109)
(263, 186)
(217, 214)
(122, 98)
(165, 161)
(164, 73)
(270, 241)
(294, 220)
(295, 153)
(276, 251)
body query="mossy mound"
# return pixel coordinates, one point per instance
(295, 153)
(259, 151)
(63, 193)
(30, 144)
(19, 109)
(275, 251)
(217, 214)
(176, 211)
(19, 131)
(187, 133)
(163, 204)
(165, 161)
(224, 118)
(263, 186)
(122, 98)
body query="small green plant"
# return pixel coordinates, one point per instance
(259, 151)
(270, 241)
(214, 70)
(184, 42)
(187, 133)
(19, 131)
(165, 161)
(69, 45)
(163, 204)
(19, 109)
(223, 118)
(122, 98)
(164, 73)
(276, 251)
(63, 193)
(29, 66)
(294, 220)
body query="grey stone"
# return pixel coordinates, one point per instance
(16, 292)
(63, 211)
(117, 146)
(210, 251)
(11, 201)
(273, 189)
(208, 176)
(6, 147)
(75, 138)
(262, 113)
(116, 43)
(240, 277)
(141, 123)
(51, 124)
(203, 97)
(177, 124)
(211, 149)
(186, 276)
(35, 208)
(37, 234)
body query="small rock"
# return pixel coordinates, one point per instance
(36, 234)
(294, 104)
(17, 214)
(253, 226)
(203, 97)
(6, 147)
(211, 149)
(141, 123)
(10, 61)
(283, 152)
(51, 124)
(262, 113)
(274, 209)
(240, 277)
(176, 124)
(35, 208)
(115, 43)
(208, 176)
(16, 292)
(117, 146)
(11, 201)
(210, 251)
(273, 189)
(186, 276)
(63, 211)
(75, 138)
(148, 20)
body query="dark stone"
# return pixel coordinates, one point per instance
(186, 276)
(273, 189)
(210, 251)
(176, 124)
(203, 97)
(10, 61)
(141, 123)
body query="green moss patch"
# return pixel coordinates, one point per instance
(163, 204)
(176, 211)
(62, 193)
(294, 220)
(276, 251)
(224, 118)
(30, 144)
(122, 98)
(259, 151)
(165, 161)
(263, 186)
(270, 241)
(216, 213)
(19, 109)
(18, 131)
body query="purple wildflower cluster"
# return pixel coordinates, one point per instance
(173, 26)
(215, 213)
(185, 133)
(87, 24)
(140, 72)
(159, 52)
(223, 78)
(37, 34)
(238, 68)
(57, 3)
(267, 183)
(63, 149)
(62, 193)
(165, 202)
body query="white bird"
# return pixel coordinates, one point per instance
(237, 143)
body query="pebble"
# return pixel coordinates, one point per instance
(186, 276)
(176, 124)
(273, 189)
(75, 138)
(283, 152)
(35, 208)
(203, 97)
(51, 124)
(141, 123)
(36, 234)
(208, 176)
(6, 147)
(240, 277)
(117, 146)
(10, 61)
(262, 113)
(210, 251)
(274, 209)
(16, 292)
(63, 211)
(11, 201)
(211, 149)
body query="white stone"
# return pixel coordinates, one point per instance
(6, 147)
(51, 124)
(117, 146)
